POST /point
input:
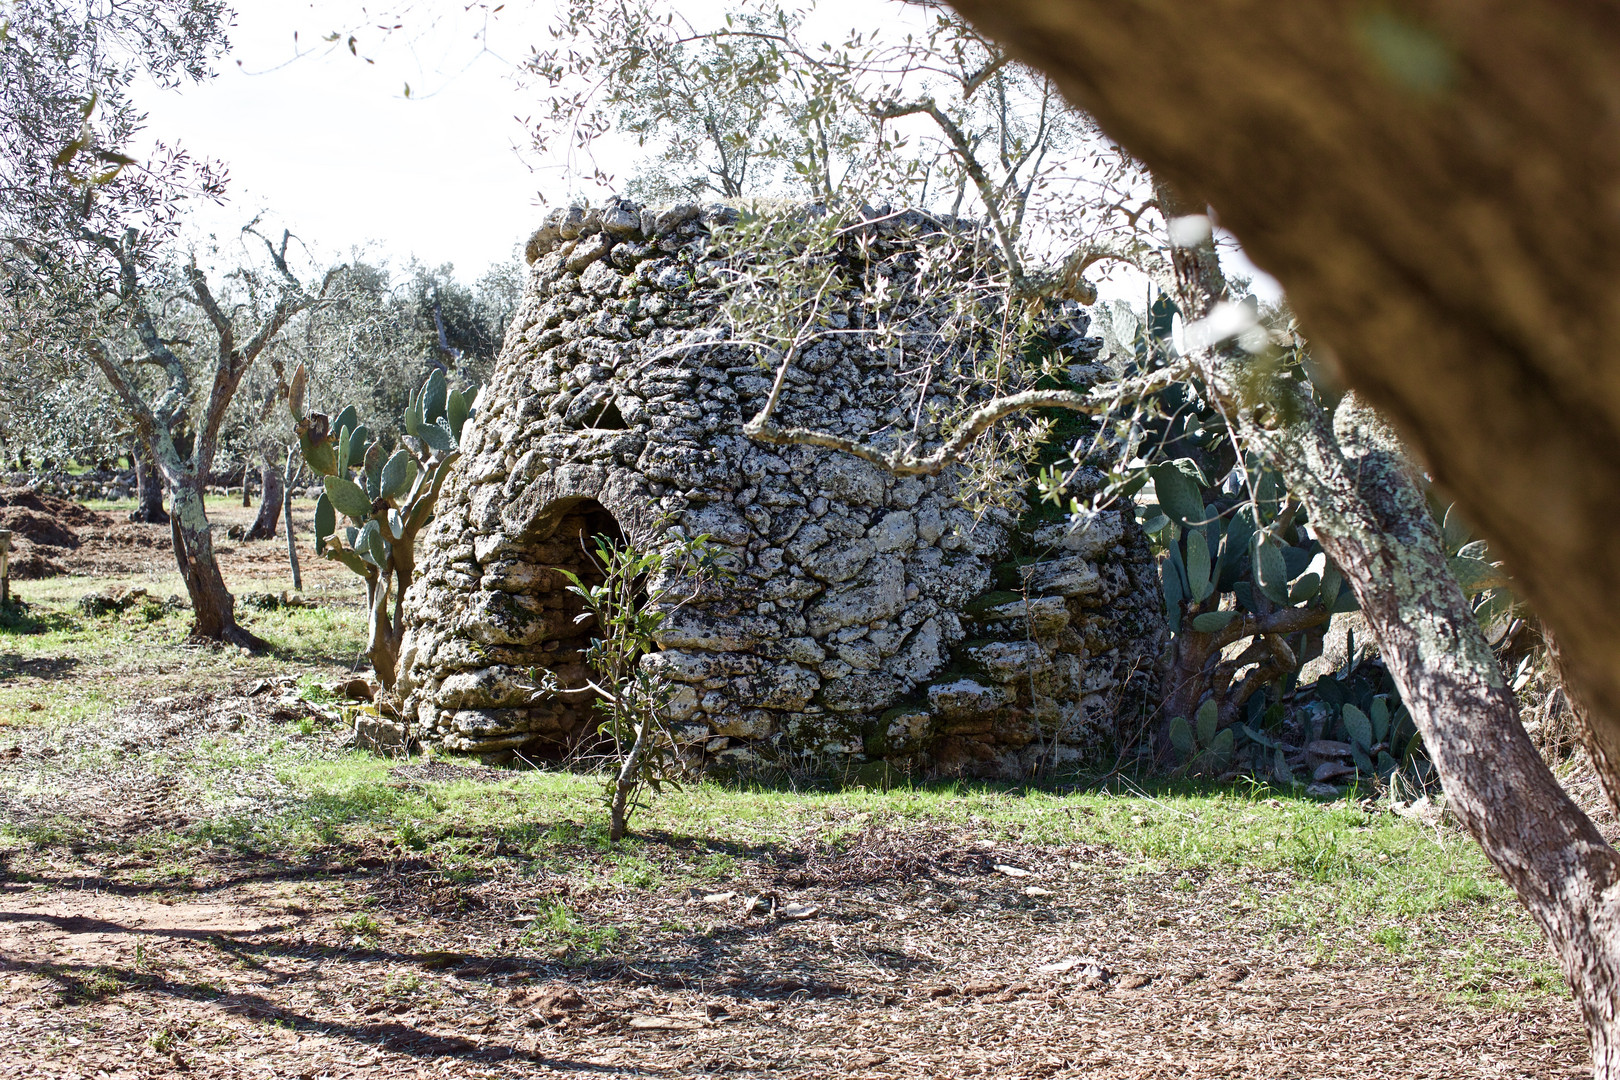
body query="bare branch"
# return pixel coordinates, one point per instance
(981, 179)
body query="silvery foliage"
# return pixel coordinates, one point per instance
(815, 140)
(67, 69)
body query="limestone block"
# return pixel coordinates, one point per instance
(851, 480)
(462, 743)
(879, 594)
(1005, 661)
(860, 692)
(1044, 615)
(700, 665)
(930, 522)
(488, 723)
(588, 251)
(904, 729)
(801, 650)
(621, 222)
(498, 618)
(1071, 576)
(860, 655)
(823, 733)
(897, 531)
(688, 629)
(682, 704)
(1091, 536)
(725, 524)
(753, 724)
(838, 562)
(661, 221)
(491, 687)
(806, 541)
(920, 657)
(776, 686)
(599, 278)
(966, 699)
(518, 576)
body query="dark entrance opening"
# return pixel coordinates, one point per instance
(566, 540)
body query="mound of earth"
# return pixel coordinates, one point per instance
(42, 530)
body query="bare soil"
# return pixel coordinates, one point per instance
(53, 536)
(914, 951)
(906, 955)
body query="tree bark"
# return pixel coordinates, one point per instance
(211, 602)
(148, 492)
(1433, 184)
(1372, 519)
(287, 517)
(264, 525)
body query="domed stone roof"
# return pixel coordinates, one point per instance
(869, 616)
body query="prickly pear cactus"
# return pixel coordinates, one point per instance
(384, 499)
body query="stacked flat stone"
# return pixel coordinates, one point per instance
(868, 617)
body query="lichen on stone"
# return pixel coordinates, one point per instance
(860, 619)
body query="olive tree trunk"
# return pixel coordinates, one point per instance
(212, 604)
(1434, 185)
(148, 491)
(270, 493)
(287, 517)
(1371, 517)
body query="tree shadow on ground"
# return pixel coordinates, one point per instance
(81, 984)
(15, 665)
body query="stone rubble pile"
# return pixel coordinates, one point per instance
(870, 618)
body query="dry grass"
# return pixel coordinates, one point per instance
(200, 878)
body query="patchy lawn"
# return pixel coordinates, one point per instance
(200, 876)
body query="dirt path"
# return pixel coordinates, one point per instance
(905, 955)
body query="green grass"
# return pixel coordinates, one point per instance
(558, 929)
(58, 665)
(1332, 876)
(1342, 867)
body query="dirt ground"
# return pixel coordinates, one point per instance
(53, 536)
(144, 933)
(916, 961)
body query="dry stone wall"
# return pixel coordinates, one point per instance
(869, 617)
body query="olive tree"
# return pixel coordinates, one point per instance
(89, 235)
(1431, 185)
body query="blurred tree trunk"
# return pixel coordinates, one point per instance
(270, 492)
(148, 491)
(1433, 184)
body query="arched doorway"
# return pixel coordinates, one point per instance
(565, 539)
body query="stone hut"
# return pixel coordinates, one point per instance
(870, 617)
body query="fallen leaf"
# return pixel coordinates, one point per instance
(1061, 966)
(798, 911)
(1011, 871)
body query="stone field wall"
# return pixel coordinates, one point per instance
(869, 617)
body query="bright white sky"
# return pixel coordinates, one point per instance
(332, 148)
(329, 145)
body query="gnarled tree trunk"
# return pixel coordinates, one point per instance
(1373, 520)
(264, 525)
(148, 491)
(211, 602)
